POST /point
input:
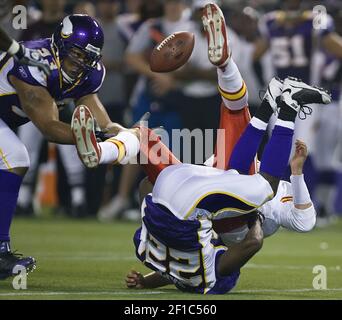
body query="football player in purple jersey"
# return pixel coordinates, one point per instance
(292, 35)
(75, 72)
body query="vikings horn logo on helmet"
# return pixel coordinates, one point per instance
(67, 28)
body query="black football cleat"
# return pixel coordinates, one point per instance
(9, 260)
(297, 95)
(302, 93)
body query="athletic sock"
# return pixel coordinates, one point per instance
(9, 190)
(230, 79)
(232, 87)
(249, 143)
(109, 152)
(264, 112)
(120, 149)
(277, 151)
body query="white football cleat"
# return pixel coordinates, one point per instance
(83, 129)
(215, 28)
(274, 91)
(297, 94)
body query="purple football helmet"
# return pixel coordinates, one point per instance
(80, 39)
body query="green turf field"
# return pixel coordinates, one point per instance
(83, 259)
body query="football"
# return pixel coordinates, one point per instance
(231, 227)
(173, 52)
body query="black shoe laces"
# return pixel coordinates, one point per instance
(262, 93)
(304, 112)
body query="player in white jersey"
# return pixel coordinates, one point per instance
(176, 238)
(291, 208)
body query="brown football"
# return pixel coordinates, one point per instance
(173, 52)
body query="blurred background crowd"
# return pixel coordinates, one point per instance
(185, 99)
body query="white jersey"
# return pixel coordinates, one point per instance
(189, 190)
(279, 212)
(175, 239)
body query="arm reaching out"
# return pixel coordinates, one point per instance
(135, 280)
(239, 254)
(42, 110)
(301, 196)
(298, 214)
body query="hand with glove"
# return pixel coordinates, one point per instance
(22, 54)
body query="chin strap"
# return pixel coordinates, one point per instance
(67, 78)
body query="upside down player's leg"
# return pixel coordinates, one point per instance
(232, 122)
(234, 116)
(294, 94)
(120, 149)
(154, 156)
(247, 146)
(215, 189)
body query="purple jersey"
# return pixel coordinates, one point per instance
(291, 47)
(10, 107)
(183, 251)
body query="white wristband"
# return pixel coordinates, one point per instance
(14, 48)
(132, 145)
(301, 193)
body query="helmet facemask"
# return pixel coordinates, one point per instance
(76, 63)
(77, 43)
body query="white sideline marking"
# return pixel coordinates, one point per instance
(90, 258)
(328, 253)
(290, 267)
(285, 290)
(114, 293)
(133, 258)
(82, 293)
